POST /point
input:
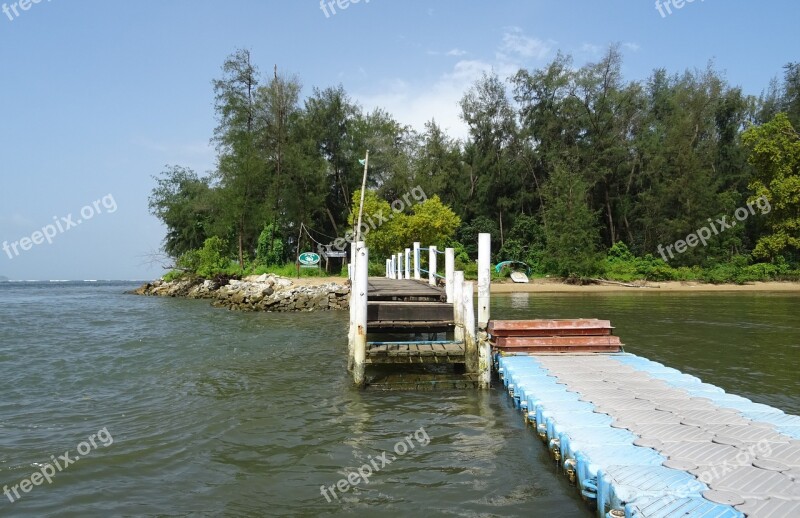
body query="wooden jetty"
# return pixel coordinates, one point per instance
(637, 438)
(404, 319)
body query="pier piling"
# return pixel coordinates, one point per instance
(359, 296)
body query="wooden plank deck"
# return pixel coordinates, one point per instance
(410, 307)
(381, 289)
(415, 352)
(407, 306)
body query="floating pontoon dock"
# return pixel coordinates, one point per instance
(644, 440)
(637, 438)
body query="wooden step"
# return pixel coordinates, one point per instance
(554, 336)
(577, 327)
(559, 341)
(409, 311)
(415, 352)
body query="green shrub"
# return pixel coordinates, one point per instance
(173, 275)
(270, 248)
(209, 260)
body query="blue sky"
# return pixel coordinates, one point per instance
(97, 96)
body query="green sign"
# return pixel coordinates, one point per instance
(308, 259)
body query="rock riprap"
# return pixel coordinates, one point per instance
(255, 293)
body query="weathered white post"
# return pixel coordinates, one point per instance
(484, 301)
(470, 343)
(407, 263)
(360, 341)
(432, 265)
(351, 334)
(449, 268)
(458, 304)
(417, 258)
(388, 268)
(399, 266)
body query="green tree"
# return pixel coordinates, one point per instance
(386, 231)
(775, 154)
(331, 118)
(182, 201)
(571, 234)
(241, 169)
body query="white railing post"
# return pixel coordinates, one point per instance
(417, 246)
(449, 268)
(388, 268)
(399, 266)
(432, 266)
(360, 341)
(458, 307)
(407, 263)
(484, 304)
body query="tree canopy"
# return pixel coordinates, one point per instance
(561, 164)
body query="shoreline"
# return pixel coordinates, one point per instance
(558, 286)
(270, 293)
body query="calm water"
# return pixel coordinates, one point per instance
(215, 413)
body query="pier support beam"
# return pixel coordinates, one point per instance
(449, 268)
(458, 304)
(470, 343)
(407, 263)
(358, 299)
(416, 260)
(484, 303)
(432, 265)
(351, 333)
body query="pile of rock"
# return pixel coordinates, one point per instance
(255, 293)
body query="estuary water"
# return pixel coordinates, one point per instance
(169, 407)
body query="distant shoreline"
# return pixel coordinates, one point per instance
(559, 286)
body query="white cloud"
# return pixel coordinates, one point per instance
(415, 103)
(517, 44)
(631, 46)
(452, 53)
(591, 48)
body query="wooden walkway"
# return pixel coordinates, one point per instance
(419, 312)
